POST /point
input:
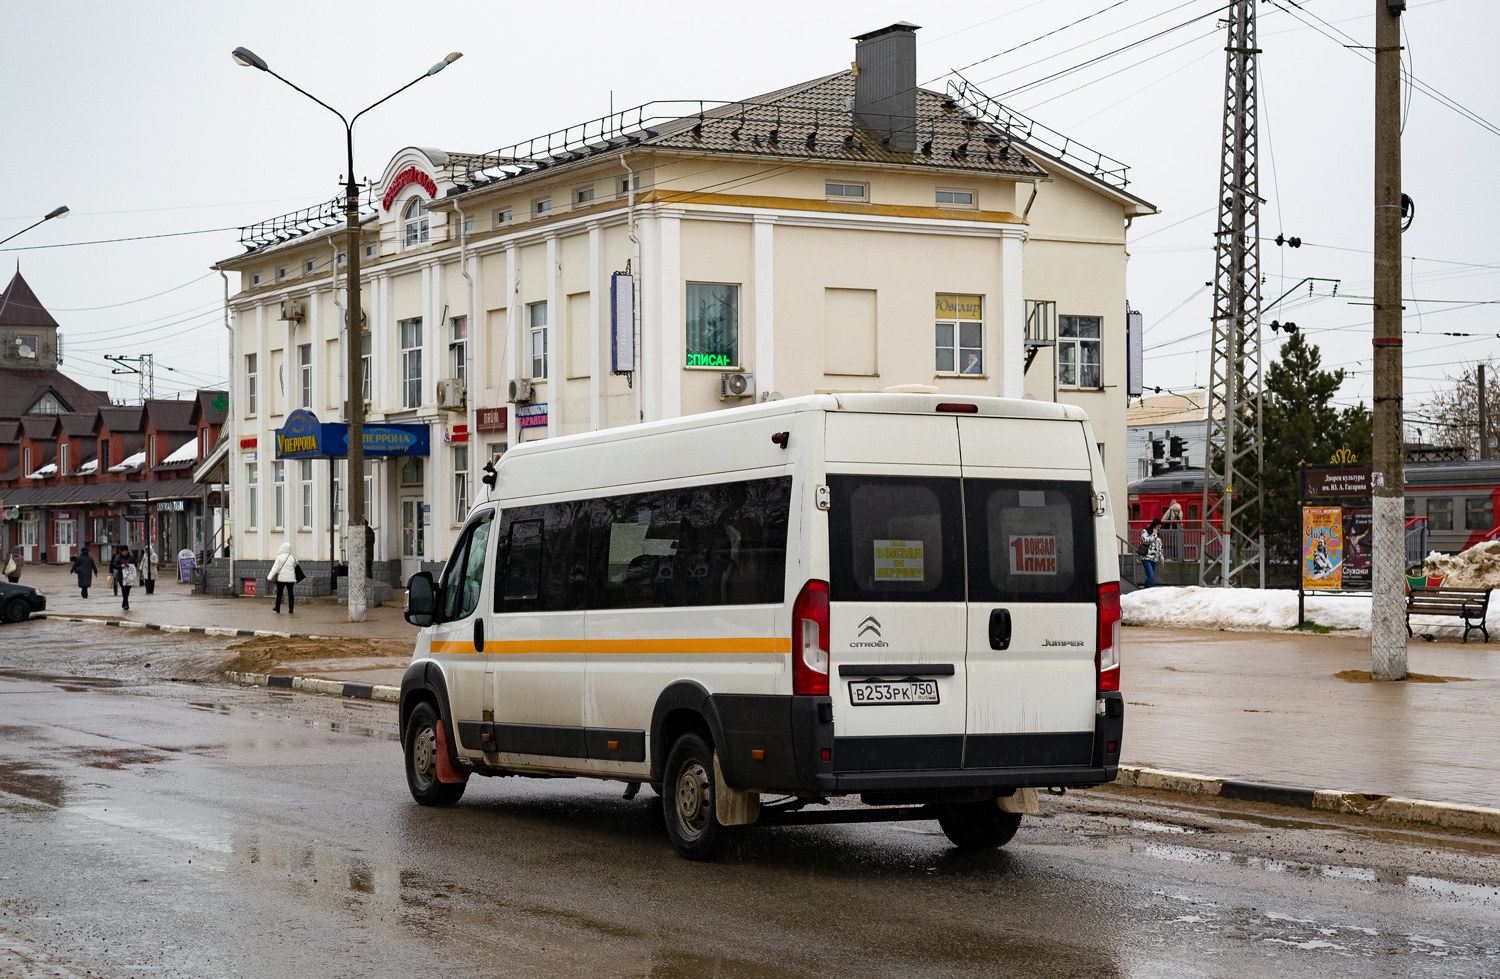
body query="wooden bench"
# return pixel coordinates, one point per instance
(1469, 604)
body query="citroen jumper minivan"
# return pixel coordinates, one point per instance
(912, 599)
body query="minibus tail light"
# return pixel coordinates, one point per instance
(958, 407)
(1107, 659)
(810, 640)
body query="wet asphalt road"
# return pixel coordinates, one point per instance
(159, 828)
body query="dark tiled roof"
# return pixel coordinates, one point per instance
(107, 492)
(39, 427)
(171, 416)
(80, 423)
(21, 387)
(206, 410)
(123, 418)
(19, 306)
(10, 431)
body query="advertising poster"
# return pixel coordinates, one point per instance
(1322, 547)
(1357, 549)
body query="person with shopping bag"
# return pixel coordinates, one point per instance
(285, 573)
(123, 567)
(13, 565)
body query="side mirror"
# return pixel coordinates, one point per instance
(421, 599)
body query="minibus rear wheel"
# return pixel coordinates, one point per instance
(687, 797)
(421, 760)
(978, 825)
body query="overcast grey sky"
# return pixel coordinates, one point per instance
(136, 117)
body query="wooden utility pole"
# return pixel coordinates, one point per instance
(1388, 574)
(1484, 427)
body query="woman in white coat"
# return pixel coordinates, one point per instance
(284, 575)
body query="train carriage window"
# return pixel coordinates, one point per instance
(1440, 513)
(1479, 513)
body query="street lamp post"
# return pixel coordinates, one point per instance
(355, 412)
(56, 212)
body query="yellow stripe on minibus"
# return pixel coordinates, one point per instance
(709, 645)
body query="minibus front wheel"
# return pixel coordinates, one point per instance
(422, 760)
(687, 797)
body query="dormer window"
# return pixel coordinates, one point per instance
(415, 220)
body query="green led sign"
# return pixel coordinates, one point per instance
(708, 360)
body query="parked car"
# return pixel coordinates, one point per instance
(18, 602)
(904, 597)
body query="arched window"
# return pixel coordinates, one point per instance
(416, 221)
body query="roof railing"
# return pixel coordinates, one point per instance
(295, 224)
(1024, 129)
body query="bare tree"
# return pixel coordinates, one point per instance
(1450, 415)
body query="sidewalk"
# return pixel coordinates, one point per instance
(1268, 707)
(175, 604)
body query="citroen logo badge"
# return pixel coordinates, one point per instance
(870, 625)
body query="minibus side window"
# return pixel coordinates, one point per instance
(545, 549)
(1030, 540)
(895, 539)
(523, 564)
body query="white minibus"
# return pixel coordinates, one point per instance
(907, 600)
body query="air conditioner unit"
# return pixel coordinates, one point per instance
(520, 391)
(294, 310)
(451, 394)
(737, 385)
(366, 414)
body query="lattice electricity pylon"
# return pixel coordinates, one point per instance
(1234, 457)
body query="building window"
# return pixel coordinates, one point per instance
(252, 495)
(102, 456)
(369, 480)
(304, 373)
(62, 458)
(846, 192)
(541, 208)
(627, 184)
(955, 198)
(960, 334)
(1440, 514)
(309, 267)
(250, 378)
(1078, 351)
(411, 362)
(502, 216)
(411, 471)
(26, 346)
(713, 324)
(28, 531)
(67, 533)
(364, 361)
(1479, 512)
(26, 461)
(458, 349)
(460, 482)
(283, 273)
(343, 257)
(468, 226)
(151, 452)
(537, 313)
(255, 279)
(306, 481)
(416, 220)
(278, 494)
(582, 196)
(372, 251)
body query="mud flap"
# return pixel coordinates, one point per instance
(733, 807)
(446, 773)
(1024, 801)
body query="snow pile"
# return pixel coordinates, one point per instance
(186, 452)
(1478, 567)
(1271, 610)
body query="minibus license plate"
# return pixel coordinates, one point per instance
(876, 692)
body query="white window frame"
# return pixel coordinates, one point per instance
(67, 532)
(416, 226)
(28, 530)
(460, 483)
(411, 361)
(305, 496)
(255, 279)
(252, 496)
(310, 267)
(62, 459)
(278, 495)
(372, 250)
(366, 384)
(971, 205)
(468, 226)
(343, 257)
(863, 197)
(956, 348)
(583, 196)
(503, 217)
(252, 374)
(625, 185)
(1077, 345)
(458, 349)
(283, 273)
(539, 338)
(151, 451)
(304, 373)
(541, 207)
(26, 469)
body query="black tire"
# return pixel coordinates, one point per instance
(421, 760)
(978, 825)
(687, 798)
(17, 610)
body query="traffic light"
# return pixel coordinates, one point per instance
(1179, 446)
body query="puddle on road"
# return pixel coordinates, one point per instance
(117, 759)
(1144, 825)
(316, 724)
(25, 780)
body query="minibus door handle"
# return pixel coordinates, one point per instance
(479, 635)
(999, 628)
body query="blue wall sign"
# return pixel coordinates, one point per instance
(304, 437)
(531, 416)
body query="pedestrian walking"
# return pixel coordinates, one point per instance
(122, 566)
(84, 567)
(1151, 551)
(13, 565)
(284, 573)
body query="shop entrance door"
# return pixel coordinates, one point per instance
(413, 537)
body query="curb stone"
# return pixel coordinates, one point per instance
(1385, 808)
(204, 630)
(358, 691)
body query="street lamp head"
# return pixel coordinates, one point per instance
(250, 59)
(57, 212)
(452, 57)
